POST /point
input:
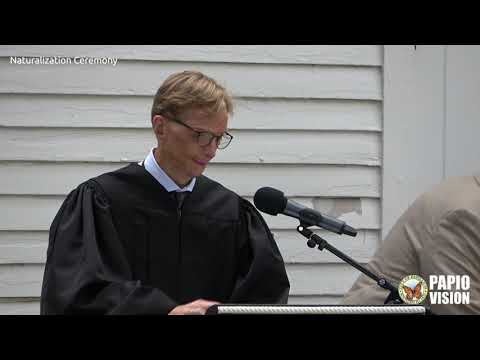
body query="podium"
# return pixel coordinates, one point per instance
(267, 309)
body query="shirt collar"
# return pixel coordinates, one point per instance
(161, 176)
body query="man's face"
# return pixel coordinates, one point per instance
(180, 150)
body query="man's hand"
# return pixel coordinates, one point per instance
(197, 307)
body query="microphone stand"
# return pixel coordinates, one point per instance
(315, 240)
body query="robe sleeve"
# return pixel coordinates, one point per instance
(262, 277)
(87, 271)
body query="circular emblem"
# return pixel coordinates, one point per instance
(413, 289)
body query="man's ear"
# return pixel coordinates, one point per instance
(158, 125)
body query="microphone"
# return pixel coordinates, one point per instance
(273, 202)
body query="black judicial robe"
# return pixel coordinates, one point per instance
(120, 245)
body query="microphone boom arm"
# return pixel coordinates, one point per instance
(315, 240)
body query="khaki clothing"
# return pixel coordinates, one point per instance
(439, 234)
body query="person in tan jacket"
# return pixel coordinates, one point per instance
(439, 234)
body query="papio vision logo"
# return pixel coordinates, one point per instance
(443, 289)
(413, 289)
(449, 289)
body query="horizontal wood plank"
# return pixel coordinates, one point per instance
(370, 55)
(59, 178)
(248, 146)
(134, 112)
(321, 279)
(242, 80)
(21, 280)
(22, 247)
(37, 212)
(305, 279)
(19, 306)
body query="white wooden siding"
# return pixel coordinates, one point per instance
(19, 306)
(414, 90)
(250, 146)
(245, 80)
(88, 111)
(56, 178)
(308, 120)
(462, 109)
(369, 55)
(431, 107)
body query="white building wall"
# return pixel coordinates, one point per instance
(431, 121)
(308, 120)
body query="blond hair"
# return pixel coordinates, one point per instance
(190, 89)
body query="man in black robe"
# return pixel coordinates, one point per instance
(158, 237)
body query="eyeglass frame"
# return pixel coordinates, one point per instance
(213, 136)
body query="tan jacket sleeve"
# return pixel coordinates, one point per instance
(425, 241)
(456, 251)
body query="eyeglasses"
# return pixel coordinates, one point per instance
(205, 138)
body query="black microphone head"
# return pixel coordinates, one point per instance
(348, 230)
(270, 200)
